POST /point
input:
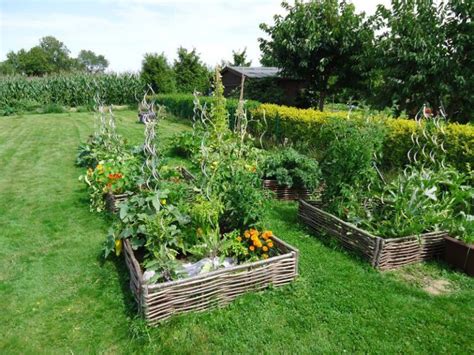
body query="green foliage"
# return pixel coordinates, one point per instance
(91, 62)
(182, 105)
(423, 200)
(291, 168)
(423, 56)
(347, 162)
(51, 56)
(302, 126)
(75, 301)
(185, 144)
(318, 41)
(191, 74)
(158, 73)
(69, 90)
(239, 58)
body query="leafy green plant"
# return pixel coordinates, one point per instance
(290, 168)
(347, 163)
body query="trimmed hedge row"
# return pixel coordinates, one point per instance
(303, 125)
(182, 105)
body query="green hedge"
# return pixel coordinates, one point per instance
(21, 93)
(301, 126)
(182, 105)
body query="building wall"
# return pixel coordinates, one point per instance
(231, 81)
(290, 87)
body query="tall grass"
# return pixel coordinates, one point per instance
(23, 93)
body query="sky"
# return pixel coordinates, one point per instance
(124, 30)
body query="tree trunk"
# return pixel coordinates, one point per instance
(322, 97)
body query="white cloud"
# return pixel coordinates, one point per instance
(129, 28)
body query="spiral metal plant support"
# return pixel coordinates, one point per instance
(150, 166)
(428, 147)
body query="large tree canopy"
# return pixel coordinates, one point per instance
(318, 41)
(51, 56)
(191, 73)
(157, 72)
(91, 62)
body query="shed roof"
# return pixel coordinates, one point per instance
(255, 72)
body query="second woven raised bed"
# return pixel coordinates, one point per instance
(284, 192)
(383, 254)
(160, 301)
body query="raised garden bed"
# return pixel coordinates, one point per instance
(112, 201)
(460, 255)
(160, 301)
(284, 192)
(383, 254)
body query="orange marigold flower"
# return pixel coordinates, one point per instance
(251, 248)
(247, 234)
(270, 244)
(267, 234)
(265, 248)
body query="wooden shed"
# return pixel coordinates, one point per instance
(232, 78)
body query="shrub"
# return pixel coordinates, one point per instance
(348, 159)
(290, 168)
(303, 125)
(182, 105)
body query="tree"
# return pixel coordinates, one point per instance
(240, 58)
(158, 73)
(34, 62)
(57, 54)
(318, 41)
(92, 62)
(191, 73)
(412, 55)
(460, 37)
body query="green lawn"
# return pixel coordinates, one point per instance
(57, 294)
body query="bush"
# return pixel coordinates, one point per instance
(182, 105)
(303, 125)
(291, 168)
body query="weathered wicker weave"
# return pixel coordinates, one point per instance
(383, 254)
(186, 174)
(112, 201)
(213, 289)
(284, 192)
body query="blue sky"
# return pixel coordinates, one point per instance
(124, 30)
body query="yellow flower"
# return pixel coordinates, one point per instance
(239, 239)
(267, 234)
(247, 234)
(118, 247)
(257, 243)
(199, 231)
(264, 248)
(251, 248)
(163, 201)
(265, 256)
(100, 167)
(89, 171)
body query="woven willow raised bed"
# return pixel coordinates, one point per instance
(284, 192)
(160, 301)
(383, 254)
(112, 201)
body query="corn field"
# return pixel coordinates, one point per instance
(69, 90)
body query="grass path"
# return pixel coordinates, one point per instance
(57, 295)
